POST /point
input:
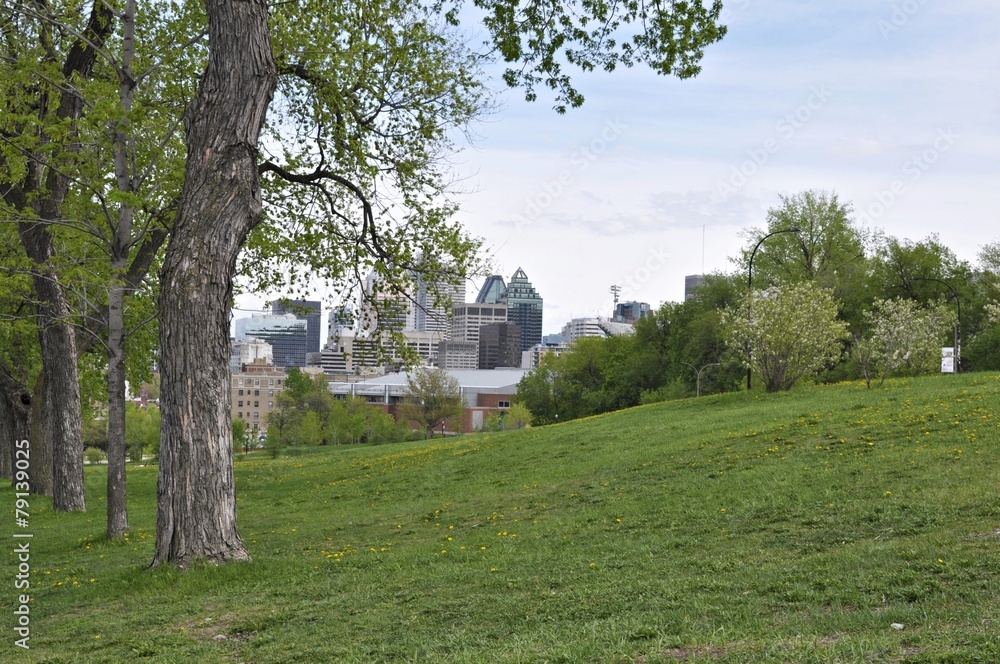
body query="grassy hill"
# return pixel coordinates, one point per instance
(796, 527)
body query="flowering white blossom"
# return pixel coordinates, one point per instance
(785, 333)
(903, 337)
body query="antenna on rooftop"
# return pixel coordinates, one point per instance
(615, 290)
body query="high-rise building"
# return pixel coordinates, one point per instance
(308, 310)
(254, 390)
(630, 312)
(499, 346)
(492, 290)
(287, 335)
(340, 322)
(454, 354)
(248, 351)
(436, 316)
(471, 316)
(383, 308)
(524, 308)
(691, 284)
(595, 327)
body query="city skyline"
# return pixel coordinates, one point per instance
(886, 103)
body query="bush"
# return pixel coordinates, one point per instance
(93, 455)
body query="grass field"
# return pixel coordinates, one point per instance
(797, 527)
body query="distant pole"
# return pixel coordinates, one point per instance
(793, 229)
(958, 321)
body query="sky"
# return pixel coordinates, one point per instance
(894, 105)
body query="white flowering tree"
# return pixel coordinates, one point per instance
(903, 337)
(786, 332)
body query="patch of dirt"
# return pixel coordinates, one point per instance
(209, 629)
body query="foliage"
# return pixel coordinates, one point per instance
(599, 375)
(306, 413)
(830, 249)
(785, 333)
(515, 417)
(142, 431)
(241, 441)
(903, 337)
(432, 397)
(95, 433)
(93, 455)
(273, 443)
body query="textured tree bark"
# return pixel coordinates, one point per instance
(15, 407)
(41, 447)
(63, 420)
(117, 523)
(220, 203)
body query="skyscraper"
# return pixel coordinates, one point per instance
(492, 290)
(524, 308)
(499, 346)
(307, 310)
(287, 335)
(436, 317)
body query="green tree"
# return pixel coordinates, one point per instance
(517, 417)
(354, 137)
(432, 397)
(241, 442)
(830, 249)
(535, 391)
(785, 333)
(142, 431)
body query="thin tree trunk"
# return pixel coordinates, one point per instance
(116, 494)
(116, 489)
(220, 203)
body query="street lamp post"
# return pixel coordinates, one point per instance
(958, 320)
(793, 229)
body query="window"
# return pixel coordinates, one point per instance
(271, 382)
(503, 404)
(279, 382)
(270, 404)
(241, 392)
(256, 381)
(256, 393)
(240, 404)
(256, 416)
(239, 414)
(256, 404)
(241, 382)
(270, 393)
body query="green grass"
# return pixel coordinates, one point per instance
(788, 528)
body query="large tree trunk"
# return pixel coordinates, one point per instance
(63, 419)
(41, 441)
(15, 407)
(219, 204)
